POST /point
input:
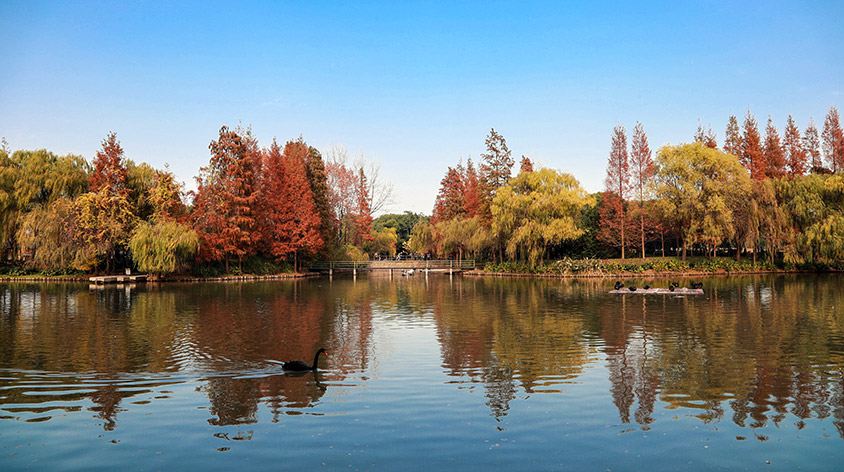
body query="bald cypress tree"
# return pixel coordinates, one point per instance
(833, 141)
(795, 155)
(732, 137)
(812, 146)
(642, 172)
(773, 151)
(752, 157)
(617, 183)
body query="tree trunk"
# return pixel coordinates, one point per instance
(622, 231)
(642, 228)
(662, 239)
(684, 250)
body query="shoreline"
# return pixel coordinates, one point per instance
(646, 274)
(156, 279)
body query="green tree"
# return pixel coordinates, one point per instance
(536, 210)
(814, 206)
(163, 247)
(403, 223)
(700, 187)
(383, 241)
(49, 234)
(421, 240)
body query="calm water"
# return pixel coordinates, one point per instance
(436, 374)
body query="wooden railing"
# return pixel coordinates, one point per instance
(417, 264)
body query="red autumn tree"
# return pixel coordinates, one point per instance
(363, 214)
(613, 213)
(642, 172)
(471, 191)
(833, 141)
(224, 216)
(732, 137)
(752, 157)
(525, 165)
(773, 151)
(812, 146)
(109, 167)
(450, 202)
(289, 220)
(795, 155)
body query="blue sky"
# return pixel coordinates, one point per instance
(414, 86)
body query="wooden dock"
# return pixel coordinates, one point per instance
(660, 291)
(117, 279)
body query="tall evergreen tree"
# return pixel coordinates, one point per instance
(642, 172)
(495, 168)
(752, 157)
(318, 181)
(833, 141)
(773, 151)
(732, 137)
(812, 146)
(795, 155)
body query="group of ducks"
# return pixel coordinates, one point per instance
(671, 286)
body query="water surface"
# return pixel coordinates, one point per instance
(432, 373)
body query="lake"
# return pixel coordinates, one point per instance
(423, 373)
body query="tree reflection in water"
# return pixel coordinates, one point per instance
(756, 351)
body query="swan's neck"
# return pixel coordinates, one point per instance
(316, 361)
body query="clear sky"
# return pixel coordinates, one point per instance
(414, 86)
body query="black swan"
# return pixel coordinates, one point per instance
(299, 366)
(632, 289)
(647, 287)
(618, 285)
(697, 284)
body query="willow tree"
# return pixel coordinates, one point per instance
(48, 233)
(536, 210)
(815, 209)
(700, 188)
(421, 240)
(163, 247)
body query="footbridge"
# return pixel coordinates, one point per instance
(449, 266)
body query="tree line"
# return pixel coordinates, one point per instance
(777, 198)
(267, 208)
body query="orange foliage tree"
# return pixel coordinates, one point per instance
(223, 214)
(752, 157)
(289, 221)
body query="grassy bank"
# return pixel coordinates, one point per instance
(654, 266)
